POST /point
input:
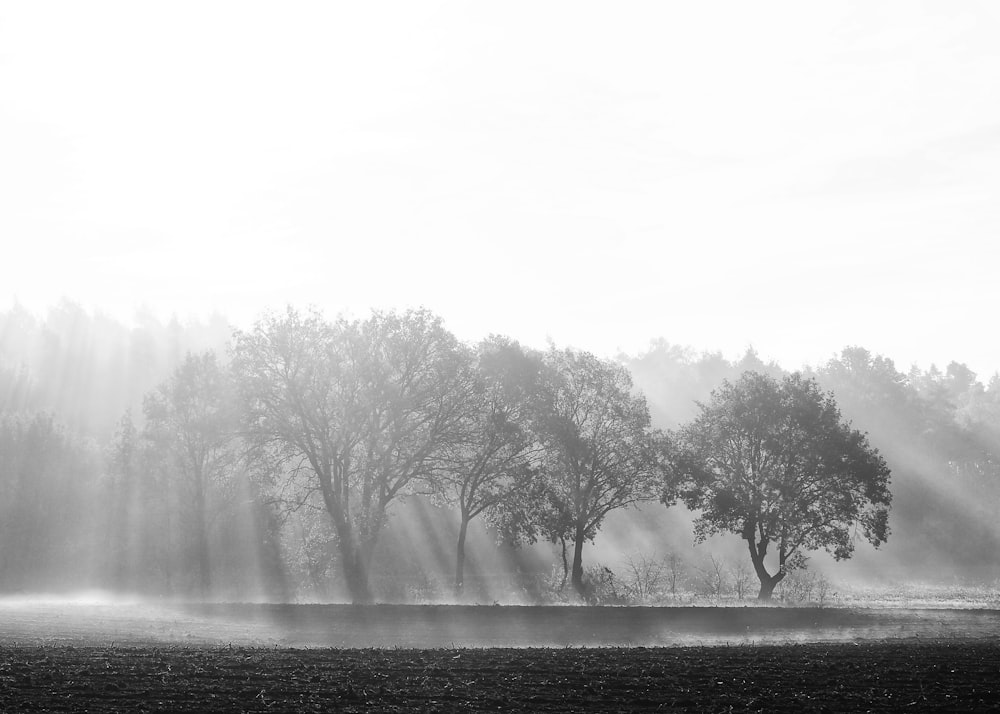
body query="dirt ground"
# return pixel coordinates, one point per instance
(834, 677)
(96, 656)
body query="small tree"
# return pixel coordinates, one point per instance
(712, 579)
(740, 576)
(675, 572)
(648, 578)
(773, 462)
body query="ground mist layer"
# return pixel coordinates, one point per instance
(433, 626)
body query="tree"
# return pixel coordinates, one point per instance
(123, 466)
(191, 420)
(48, 478)
(601, 453)
(356, 411)
(496, 457)
(774, 462)
(870, 389)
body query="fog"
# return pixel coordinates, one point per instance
(101, 508)
(548, 241)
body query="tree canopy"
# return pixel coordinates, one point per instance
(497, 454)
(601, 451)
(772, 461)
(192, 483)
(352, 411)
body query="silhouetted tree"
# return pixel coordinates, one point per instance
(773, 462)
(601, 453)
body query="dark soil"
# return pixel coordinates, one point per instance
(901, 675)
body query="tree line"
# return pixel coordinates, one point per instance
(323, 428)
(329, 425)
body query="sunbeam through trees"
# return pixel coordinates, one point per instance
(382, 459)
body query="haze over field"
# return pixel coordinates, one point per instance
(793, 177)
(99, 490)
(680, 194)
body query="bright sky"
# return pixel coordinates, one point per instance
(797, 177)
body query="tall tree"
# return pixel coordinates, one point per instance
(191, 420)
(48, 478)
(497, 455)
(774, 462)
(357, 411)
(122, 463)
(602, 453)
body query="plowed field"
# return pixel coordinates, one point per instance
(770, 678)
(64, 657)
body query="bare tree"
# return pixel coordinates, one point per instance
(646, 577)
(740, 575)
(675, 572)
(712, 577)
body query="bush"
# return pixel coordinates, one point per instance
(602, 588)
(741, 576)
(801, 587)
(650, 580)
(712, 579)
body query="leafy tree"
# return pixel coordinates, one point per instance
(774, 462)
(601, 453)
(496, 458)
(191, 421)
(356, 411)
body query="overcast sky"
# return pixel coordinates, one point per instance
(797, 177)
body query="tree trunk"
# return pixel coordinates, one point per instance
(353, 557)
(767, 581)
(204, 567)
(460, 558)
(356, 575)
(201, 541)
(767, 586)
(577, 576)
(565, 562)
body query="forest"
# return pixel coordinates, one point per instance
(382, 459)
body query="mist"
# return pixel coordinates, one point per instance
(99, 498)
(512, 356)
